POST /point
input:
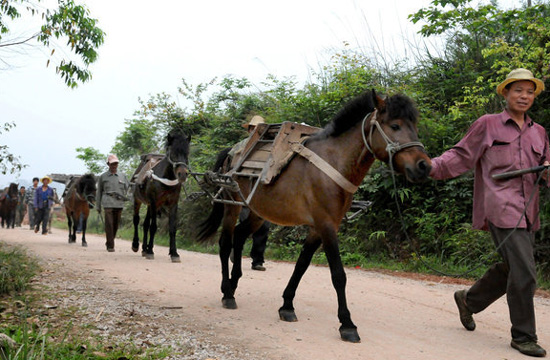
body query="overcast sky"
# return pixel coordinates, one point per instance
(150, 46)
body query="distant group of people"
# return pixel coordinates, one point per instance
(36, 203)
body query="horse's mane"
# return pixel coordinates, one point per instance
(401, 107)
(353, 112)
(397, 106)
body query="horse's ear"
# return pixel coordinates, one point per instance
(379, 103)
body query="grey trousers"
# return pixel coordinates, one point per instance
(515, 276)
(30, 208)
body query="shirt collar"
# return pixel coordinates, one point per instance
(505, 117)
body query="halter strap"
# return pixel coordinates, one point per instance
(392, 147)
(167, 182)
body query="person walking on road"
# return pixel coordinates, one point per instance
(43, 201)
(497, 143)
(112, 188)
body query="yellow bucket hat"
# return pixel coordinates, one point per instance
(256, 119)
(519, 75)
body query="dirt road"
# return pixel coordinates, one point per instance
(397, 318)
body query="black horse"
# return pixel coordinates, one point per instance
(157, 183)
(79, 198)
(8, 204)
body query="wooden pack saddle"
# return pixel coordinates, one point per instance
(269, 150)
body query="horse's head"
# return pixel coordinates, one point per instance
(87, 189)
(393, 137)
(177, 153)
(13, 190)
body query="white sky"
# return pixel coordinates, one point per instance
(150, 46)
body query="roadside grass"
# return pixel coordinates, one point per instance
(41, 332)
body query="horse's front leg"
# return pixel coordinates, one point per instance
(135, 240)
(311, 244)
(70, 226)
(84, 225)
(152, 231)
(76, 220)
(147, 223)
(173, 224)
(348, 330)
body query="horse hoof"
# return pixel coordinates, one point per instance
(150, 256)
(84, 244)
(229, 304)
(350, 335)
(175, 259)
(135, 249)
(143, 253)
(287, 315)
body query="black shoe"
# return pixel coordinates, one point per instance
(258, 267)
(530, 348)
(465, 314)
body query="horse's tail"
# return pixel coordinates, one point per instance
(220, 159)
(208, 227)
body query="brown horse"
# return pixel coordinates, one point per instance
(366, 129)
(8, 205)
(78, 199)
(160, 190)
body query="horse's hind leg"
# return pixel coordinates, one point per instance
(312, 243)
(135, 240)
(172, 224)
(231, 214)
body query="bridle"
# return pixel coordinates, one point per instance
(88, 198)
(175, 164)
(392, 147)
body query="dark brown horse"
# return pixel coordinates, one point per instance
(366, 129)
(78, 199)
(8, 205)
(159, 188)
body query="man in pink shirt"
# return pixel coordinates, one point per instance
(494, 144)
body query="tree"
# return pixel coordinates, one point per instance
(93, 159)
(68, 21)
(9, 163)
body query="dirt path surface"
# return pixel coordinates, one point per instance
(397, 318)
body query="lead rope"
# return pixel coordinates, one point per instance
(404, 226)
(392, 148)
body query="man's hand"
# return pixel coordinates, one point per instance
(545, 173)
